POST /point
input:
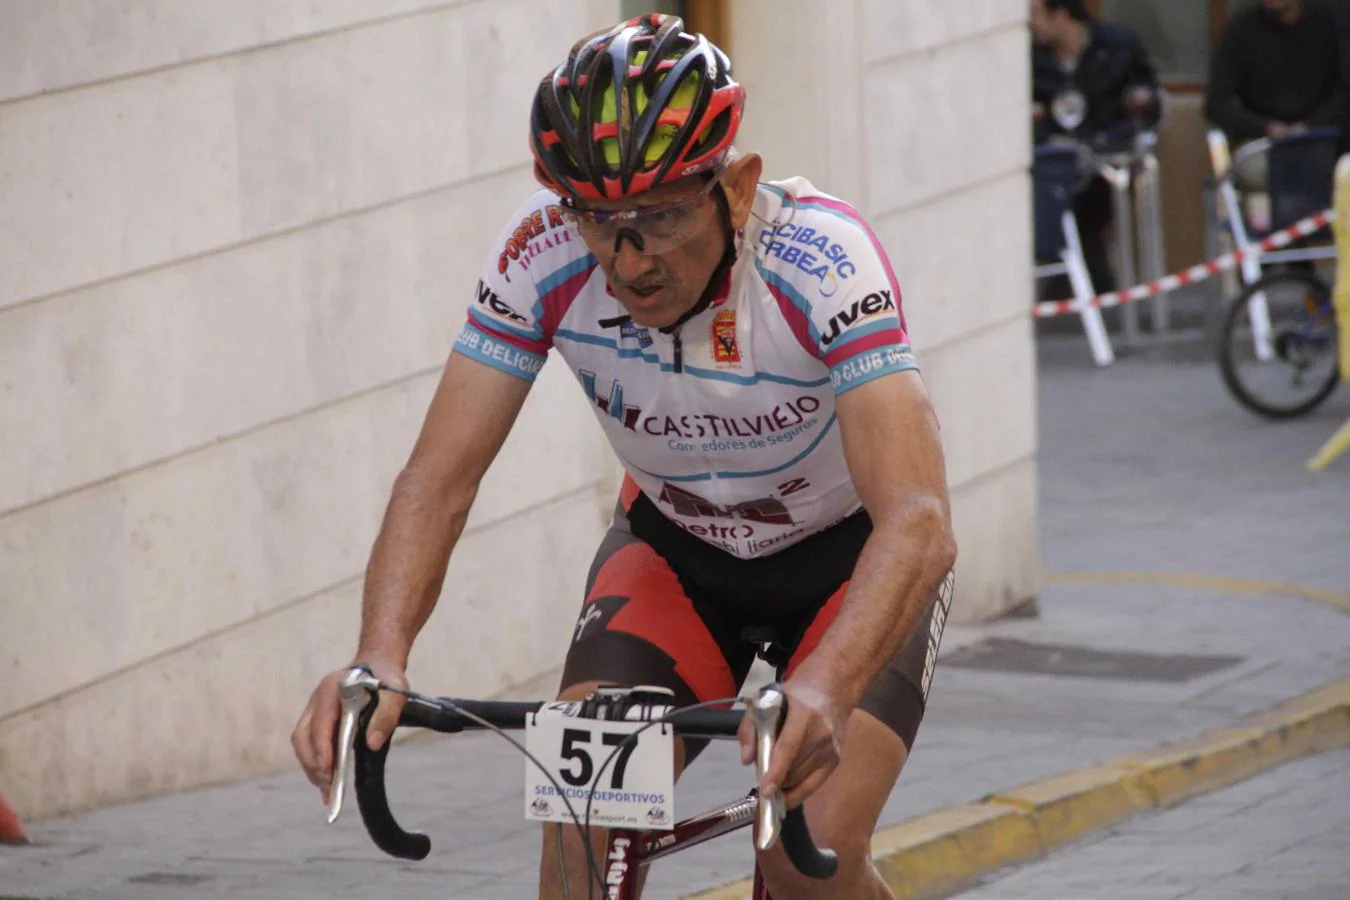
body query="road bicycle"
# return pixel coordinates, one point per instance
(621, 717)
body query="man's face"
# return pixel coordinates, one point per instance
(657, 288)
(1042, 23)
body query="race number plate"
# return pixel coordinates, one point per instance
(636, 789)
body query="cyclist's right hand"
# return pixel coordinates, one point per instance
(315, 732)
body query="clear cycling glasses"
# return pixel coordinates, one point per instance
(661, 228)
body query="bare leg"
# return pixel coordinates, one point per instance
(574, 862)
(842, 815)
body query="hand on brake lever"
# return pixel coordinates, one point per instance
(313, 737)
(385, 720)
(810, 742)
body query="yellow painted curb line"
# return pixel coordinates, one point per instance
(942, 850)
(938, 852)
(1249, 587)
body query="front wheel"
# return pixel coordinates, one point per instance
(1298, 368)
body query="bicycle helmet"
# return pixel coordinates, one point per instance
(640, 105)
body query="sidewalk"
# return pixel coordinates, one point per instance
(1146, 467)
(1281, 834)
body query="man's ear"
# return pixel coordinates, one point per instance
(740, 183)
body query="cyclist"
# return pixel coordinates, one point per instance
(744, 349)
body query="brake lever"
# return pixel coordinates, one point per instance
(357, 689)
(767, 709)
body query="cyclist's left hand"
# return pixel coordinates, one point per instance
(809, 746)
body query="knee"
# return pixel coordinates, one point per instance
(832, 830)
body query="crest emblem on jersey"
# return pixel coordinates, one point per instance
(726, 352)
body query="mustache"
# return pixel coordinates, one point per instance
(642, 284)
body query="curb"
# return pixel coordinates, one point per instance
(941, 851)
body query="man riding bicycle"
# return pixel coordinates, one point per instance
(744, 349)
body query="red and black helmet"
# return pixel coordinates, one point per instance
(642, 104)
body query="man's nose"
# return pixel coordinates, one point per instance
(630, 265)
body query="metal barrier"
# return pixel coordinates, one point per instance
(1056, 174)
(1136, 205)
(1265, 248)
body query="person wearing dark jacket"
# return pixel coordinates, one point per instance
(1092, 83)
(1276, 73)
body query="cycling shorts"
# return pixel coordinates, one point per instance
(666, 608)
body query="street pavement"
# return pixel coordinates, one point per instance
(1282, 834)
(1145, 467)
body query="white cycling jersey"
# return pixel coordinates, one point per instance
(728, 425)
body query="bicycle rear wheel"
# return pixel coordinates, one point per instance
(1301, 368)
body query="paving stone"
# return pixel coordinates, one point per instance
(1266, 849)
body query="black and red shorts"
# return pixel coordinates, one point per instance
(666, 608)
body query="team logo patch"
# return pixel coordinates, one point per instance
(595, 617)
(629, 331)
(726, 352)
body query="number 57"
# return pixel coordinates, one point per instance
(585, 768)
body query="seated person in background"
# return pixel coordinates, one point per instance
(1092, 83)
(1274, 74)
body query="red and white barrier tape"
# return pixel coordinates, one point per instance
(1279, 239)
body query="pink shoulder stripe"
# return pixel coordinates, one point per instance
(849, 212)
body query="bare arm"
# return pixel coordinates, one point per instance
(894, 454)
(472, 412)
(890, 436)
(470, 416)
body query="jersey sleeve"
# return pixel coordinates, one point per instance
(507, 325)
(856, 323)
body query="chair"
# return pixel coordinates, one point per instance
(1056, 175)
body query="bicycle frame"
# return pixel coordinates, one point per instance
(1225, 164)
(628, 851)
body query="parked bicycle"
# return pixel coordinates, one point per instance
(1278, 347)
(619, 718)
